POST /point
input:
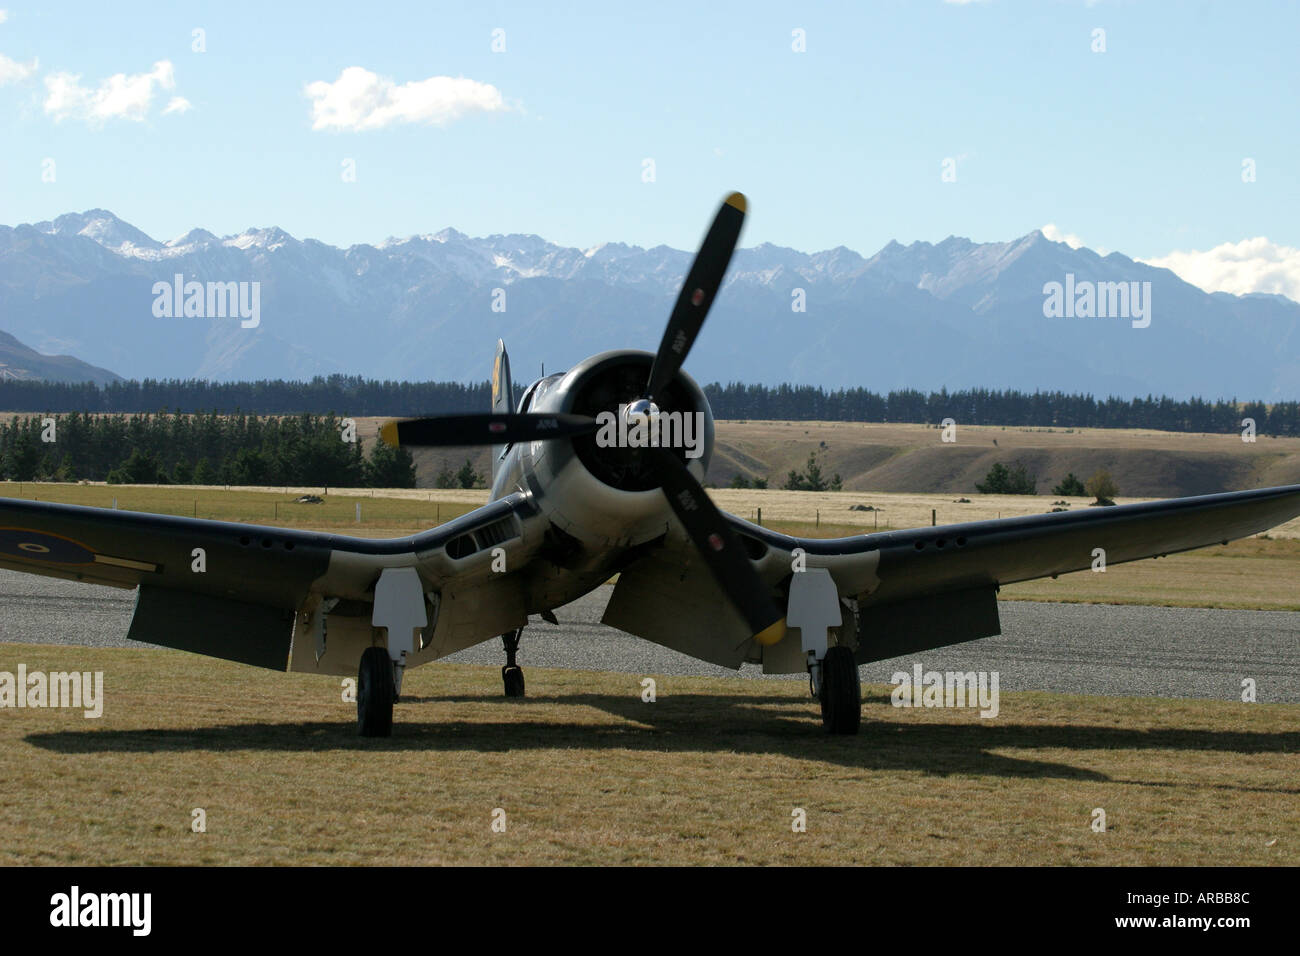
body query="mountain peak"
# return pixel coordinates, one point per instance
(102, 227)
(1036, 238)
(195, 237)
(268, 238)
(611, 250)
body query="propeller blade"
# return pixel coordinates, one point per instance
(701, 285)
(484, 429)
(720, 548)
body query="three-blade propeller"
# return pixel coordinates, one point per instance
(719, 547)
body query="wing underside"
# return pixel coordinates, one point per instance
(927, 587)
(937, 586)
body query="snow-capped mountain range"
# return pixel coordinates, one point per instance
(956, 313)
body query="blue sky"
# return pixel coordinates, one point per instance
(1137, 149)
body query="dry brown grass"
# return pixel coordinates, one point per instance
(384, 512)
(897, 511)
(905, 458)
(1251, 574)
(899, 457)
(589, 774)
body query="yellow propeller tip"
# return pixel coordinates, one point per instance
(770, 635)
(737, 201)
(388, 434)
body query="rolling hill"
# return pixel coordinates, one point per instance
(18, 362)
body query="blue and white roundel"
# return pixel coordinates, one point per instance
(40, 546)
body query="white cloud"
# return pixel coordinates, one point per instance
(360, 100)
(178, 104)
(1056, 235)
(118, 97)
(11, 71)
(1252, 265)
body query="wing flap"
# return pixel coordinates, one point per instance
(924, 623)
(218, 627)
(669, 598)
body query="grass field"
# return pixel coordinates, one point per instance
(902, 457)
(1250, 574)
(587, 773)
(905, 458)
(384, 513)
(1256, 573)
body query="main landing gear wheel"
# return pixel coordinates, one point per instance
(375, 693)
(841, 695)
(512, 675)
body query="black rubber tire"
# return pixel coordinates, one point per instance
(375, 693)
(841, 695)
(513, 678)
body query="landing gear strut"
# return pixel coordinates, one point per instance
(399, 609)
(814, 608)
(376, 690)
(512, 675)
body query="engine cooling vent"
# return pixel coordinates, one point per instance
(480, 539)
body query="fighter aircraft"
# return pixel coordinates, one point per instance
(592, 479)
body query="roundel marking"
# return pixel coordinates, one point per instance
(43, 546)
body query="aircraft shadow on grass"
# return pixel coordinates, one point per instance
(744, 724)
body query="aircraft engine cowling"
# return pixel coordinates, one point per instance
(600, 487)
